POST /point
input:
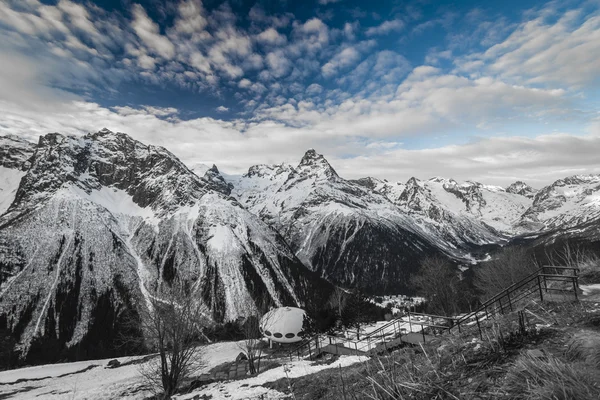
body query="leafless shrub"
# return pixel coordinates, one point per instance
(172, 326)
(510, 266)
(440, 284)
(586, 261)
(253, 344)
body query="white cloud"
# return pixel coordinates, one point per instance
(324, 2)
(244, 83)
(557, 49)
(314, 89)
(148, 31)
(380, 72)
(222, 109)
(271, 37)
(311, 37)
(386, 27)
(501, 160)
(191, 18)
(278, 63)
(341, 60)
(538, 161)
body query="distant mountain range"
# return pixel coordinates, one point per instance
(92, 227)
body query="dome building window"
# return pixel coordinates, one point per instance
(285, 322)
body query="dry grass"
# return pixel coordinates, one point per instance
(466, 367)
(552, 379)
(585, 346)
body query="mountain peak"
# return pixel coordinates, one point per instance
(413, 182)
(520, 187)
(314, 163)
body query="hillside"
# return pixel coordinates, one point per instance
(101, 223)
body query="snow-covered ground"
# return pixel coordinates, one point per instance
(590, 289)
(96, 383)
(251, 388)
(67, 381)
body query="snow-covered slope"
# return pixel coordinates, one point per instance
(346, 232)
(102, 222)
(463, 214)
(565, 204)
(14, 153)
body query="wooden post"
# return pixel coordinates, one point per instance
(501, 308)
(423, 332)
(509, 302)
(409, 323)
(575, 284)
(540, 288)
(478, 326)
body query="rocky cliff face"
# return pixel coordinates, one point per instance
(101, 223)
(522, 188)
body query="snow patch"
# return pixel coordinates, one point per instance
(9, 183)
(117, 201)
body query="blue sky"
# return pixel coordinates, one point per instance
(488, 91)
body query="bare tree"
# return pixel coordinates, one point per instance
(172, 326)
(508, 267)
(572, 256)
(338, 300)
(252, 345)
(440, 284)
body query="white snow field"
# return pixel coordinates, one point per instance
(91, 380)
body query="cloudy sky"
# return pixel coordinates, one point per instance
(488, 91)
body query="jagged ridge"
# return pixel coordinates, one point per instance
(100, 223)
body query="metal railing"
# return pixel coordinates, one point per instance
(382, 339)
(394, 331)
(507, 298)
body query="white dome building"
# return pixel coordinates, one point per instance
(283, 324)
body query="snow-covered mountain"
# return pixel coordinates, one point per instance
(92, 227)
(469, 212)
(565, 204)
(341, 229)
(520, 187)
(332, 224)
(14, 155)
(101, 223)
